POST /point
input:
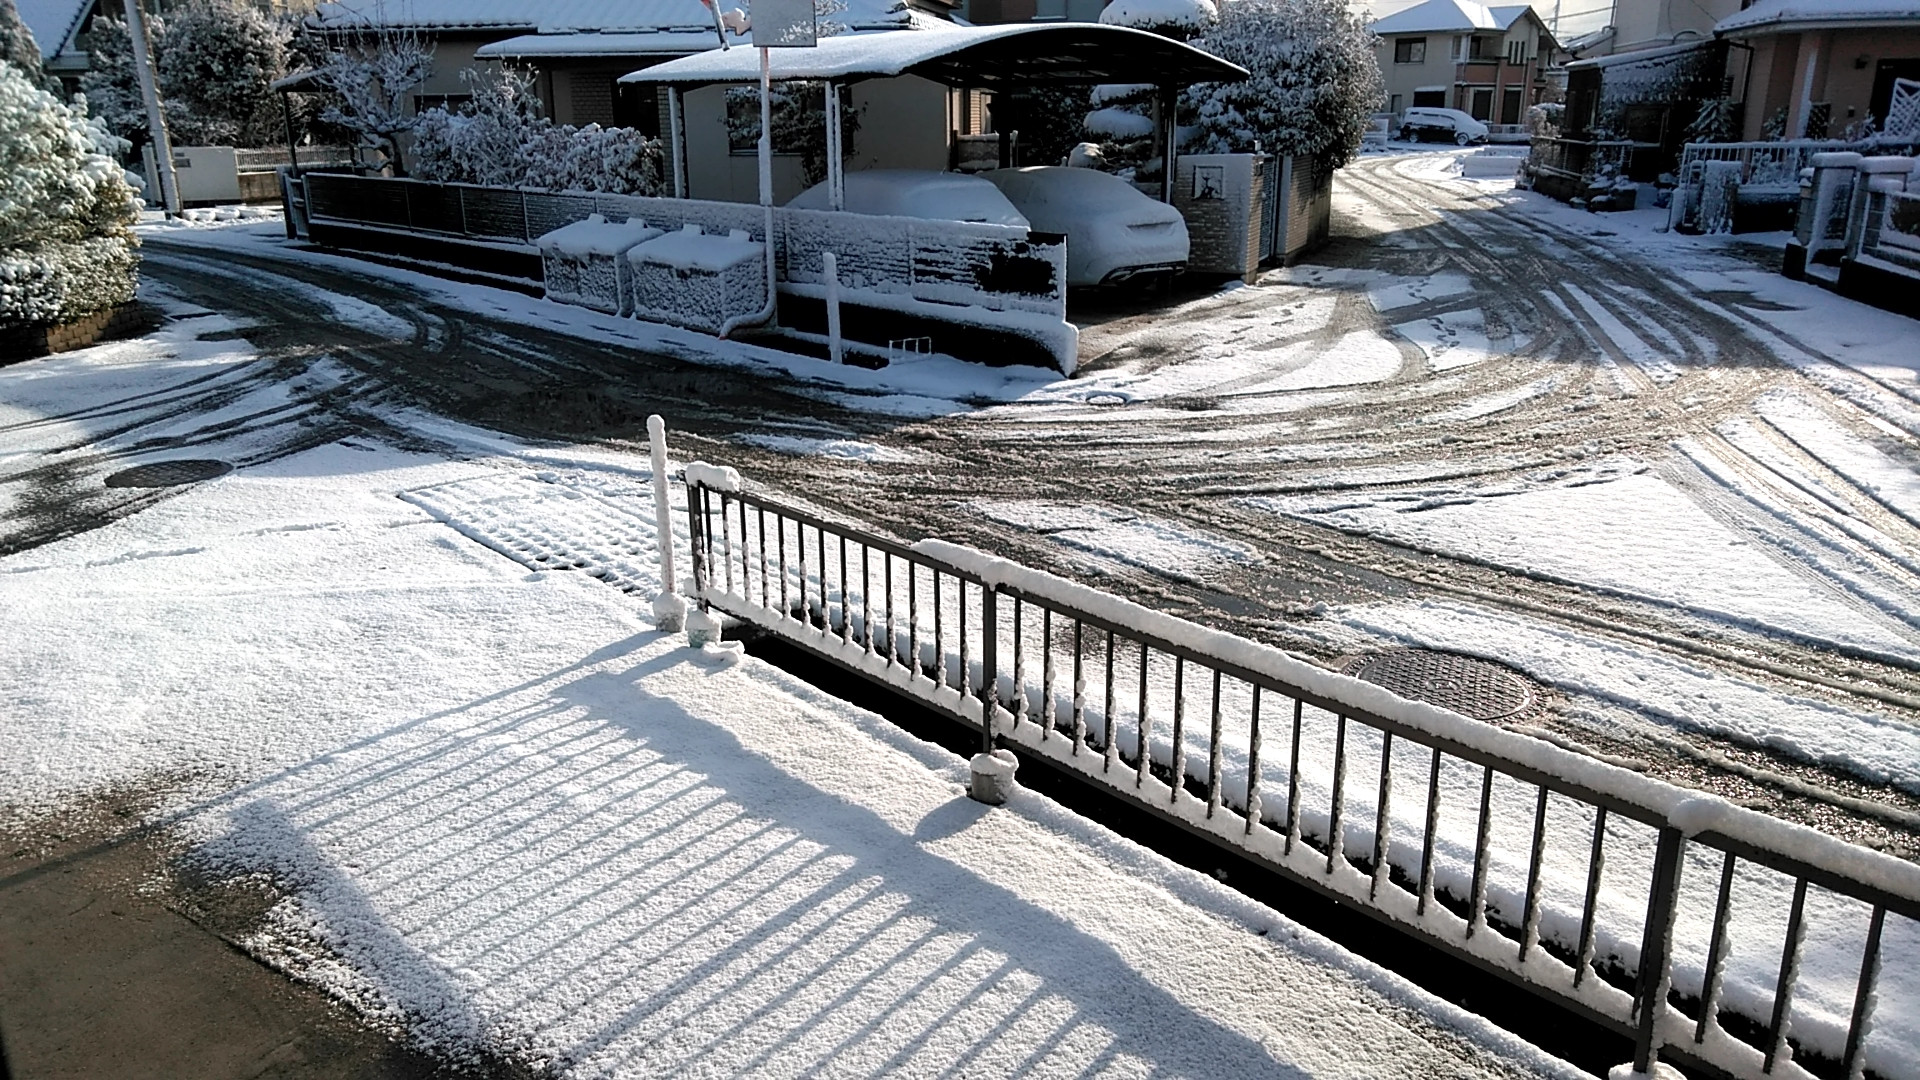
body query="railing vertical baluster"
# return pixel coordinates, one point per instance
(1716, 950)
(1253, 764)
(1596, 862)
(726, 543)
(1019, 709)
(746, 555)
(1853, 1062)
(780, 534)
(1143, 727)
(1477, 902)
(800, 561)
(1079, 692)
(696, 540)
(1530, 913)
(1049, 716)
(966, 659)
(760, 517)
(1336, 842)
(846, 598)
(1656, 949)
(826, 611)
(866, 596)
(1427, 838)
(893, 639)
(989, 660)
(1177, 756)
(1293, 781)
(1111, 751)
(1789, 974)
(939, 651)
(1380, 871)
(1213, 751)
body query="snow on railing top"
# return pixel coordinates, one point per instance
(1693, 813)
(713, 477)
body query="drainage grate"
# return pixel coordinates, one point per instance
(1470, 687)
(160, 474)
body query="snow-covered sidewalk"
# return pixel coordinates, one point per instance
(506, 813)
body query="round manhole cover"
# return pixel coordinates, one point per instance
(1470, 687)
(159, 474)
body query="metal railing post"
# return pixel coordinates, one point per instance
(697, 539)
(1656, 950)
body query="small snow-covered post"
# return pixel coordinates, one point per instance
(830, 269)
(669, 608)
(678, 137)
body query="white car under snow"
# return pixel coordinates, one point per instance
(917, 193)
(1113, 231)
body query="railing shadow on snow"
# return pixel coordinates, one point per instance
(1597, 888)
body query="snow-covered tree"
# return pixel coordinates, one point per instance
(1122, 120)
(217, 62)
(1314, 81)
(66, 246)
(370, 75)
(502, 138)
(17, 46)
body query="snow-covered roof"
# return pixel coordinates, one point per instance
(1777, 16)
(51, 21)
(675, 42)
(1638, 56)
(1587, 40)
(1442, 15)
(977, 56)
(565, 16)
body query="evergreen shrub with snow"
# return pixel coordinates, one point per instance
(1314, 85)
(502, 139)
(215, 62)
(17, 46)
(66, 243)
(1121, 122)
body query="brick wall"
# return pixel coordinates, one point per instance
(28, 342)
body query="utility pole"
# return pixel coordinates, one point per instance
(156, 120)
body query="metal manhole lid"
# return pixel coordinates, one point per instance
(160, 474)
(1475, 688)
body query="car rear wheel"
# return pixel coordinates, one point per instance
(1462, 138)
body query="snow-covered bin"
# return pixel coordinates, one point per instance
(586, 265)
(690, 279)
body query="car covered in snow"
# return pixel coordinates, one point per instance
(1113, 232)
(1423, 124)
(917, 193)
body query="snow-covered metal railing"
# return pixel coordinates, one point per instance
(1653, 910)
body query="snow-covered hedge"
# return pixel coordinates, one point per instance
(1315, 82)
(502, 139)
(66, 247)
(1174, 18)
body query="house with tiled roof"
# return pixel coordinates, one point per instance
(1490, 62)
(1821, 68)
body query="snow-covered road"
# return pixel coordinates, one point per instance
(501, 812)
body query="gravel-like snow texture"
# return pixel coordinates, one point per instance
(503, 813)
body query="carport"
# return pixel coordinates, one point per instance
(995, 58)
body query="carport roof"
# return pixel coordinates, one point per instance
(981, 57)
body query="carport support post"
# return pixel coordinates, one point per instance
(1169, 109)
(836, 167)
(676, 136)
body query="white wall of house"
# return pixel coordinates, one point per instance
(1647, 24)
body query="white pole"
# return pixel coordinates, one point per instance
(836, 169)
(156, 119)
(766, 179)
(830, 265)
(677, 135)
(669, 608)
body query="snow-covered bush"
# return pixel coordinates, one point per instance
(501, 138)
(797, 114)
(1177, 19)
(216, 64)
(66, 248)
(1315, 82)
(370, 76)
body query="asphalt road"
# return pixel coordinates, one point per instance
(1192, 459)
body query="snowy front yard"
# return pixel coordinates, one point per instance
(505, 813)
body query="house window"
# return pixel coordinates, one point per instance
(1482, 48)
(1516, 53)
(1480, 103)
(1049, 10)
(1410, 50)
